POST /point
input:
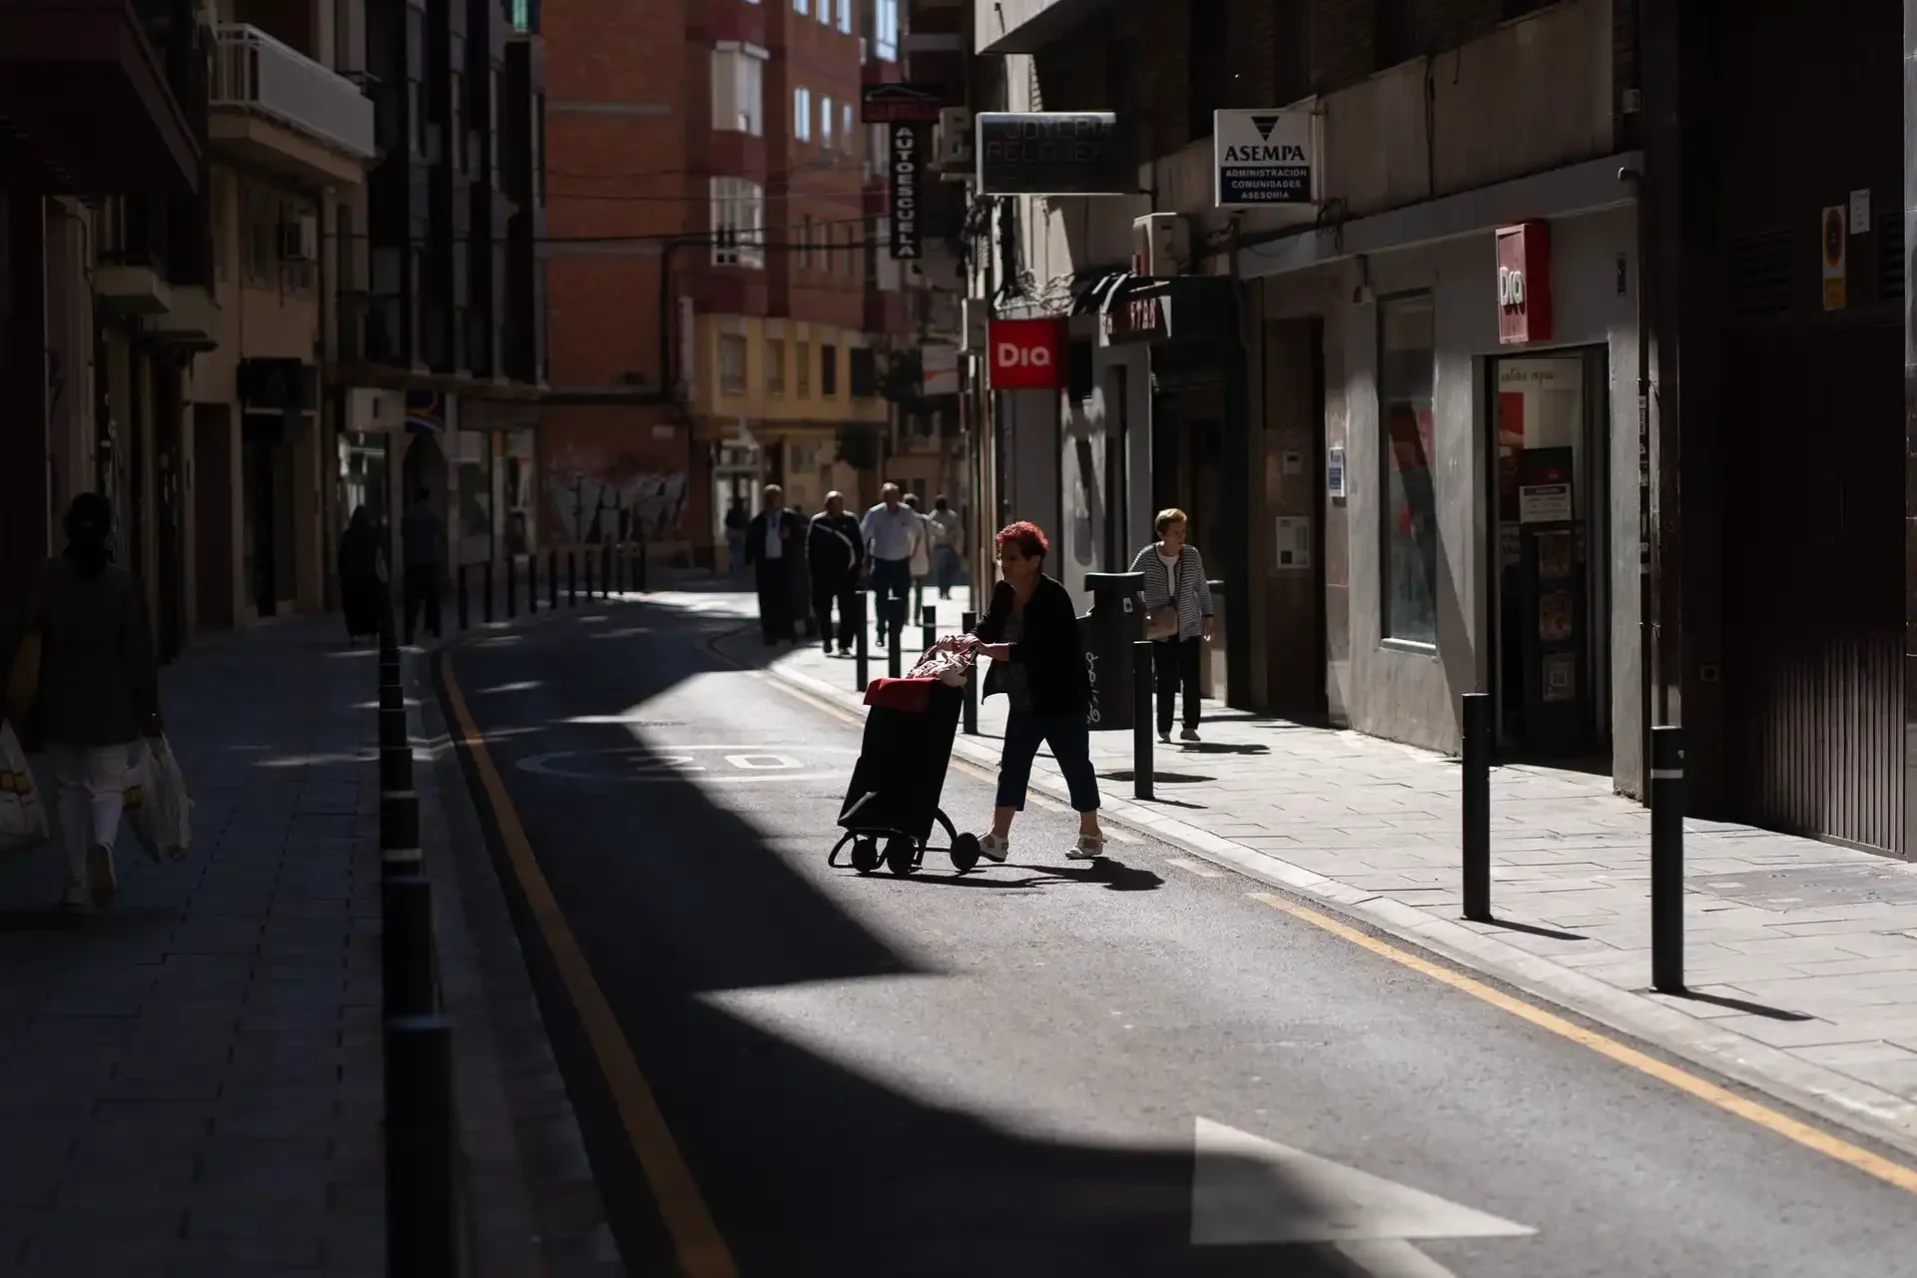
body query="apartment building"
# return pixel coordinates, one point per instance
(721, 295)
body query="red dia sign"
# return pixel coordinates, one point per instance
(1524, 283)
(1027, 354)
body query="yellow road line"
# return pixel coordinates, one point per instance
(1792, 1129)
(701, 1250)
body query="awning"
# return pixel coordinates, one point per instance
(1090, 295)
(1182, 309)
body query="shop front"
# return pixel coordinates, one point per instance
(1480, 481)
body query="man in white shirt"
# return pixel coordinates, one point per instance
(948, 533)
(774, 541)
(894, 533)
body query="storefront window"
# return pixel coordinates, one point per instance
(520, 493)
(1408, 592)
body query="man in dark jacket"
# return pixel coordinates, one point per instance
(835, 550)
(773, 543)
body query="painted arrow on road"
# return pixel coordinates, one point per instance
(1247, 1190)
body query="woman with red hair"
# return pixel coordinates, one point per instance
(1038, 662)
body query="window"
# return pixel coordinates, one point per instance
(775, 366)
(825, 122)
(828, 370)
(732, 364)
(865, 372)
(1406, 360)
(805, 241)
(738, 223)
(802, 114)
(799, 6)
(825, 13)
(885, 29)
(738, 90)
(846, 135)
(845, 16)
(802, 368)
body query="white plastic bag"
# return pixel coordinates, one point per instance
(947, 666)
(23, 818)
(156, 803)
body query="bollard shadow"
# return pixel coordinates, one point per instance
(1531, 929)
(1170, 778)
(1735, 1005)
(1222, 747)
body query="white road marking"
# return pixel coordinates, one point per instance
(645, 764)
(1249, 1190)
(764, 762)
(1199, 868)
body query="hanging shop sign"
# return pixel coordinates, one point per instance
(1027, 354)
(906, 165)
(1053, 153)
(1836, 253)
(1524, 283)
(1262, 159)
(1185, 308)
(901, 103)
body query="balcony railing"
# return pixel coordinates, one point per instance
(256, 73)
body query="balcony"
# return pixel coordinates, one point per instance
(86, 95)
(276, 108)
(130, 276)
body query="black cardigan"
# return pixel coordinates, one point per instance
(1049, 648)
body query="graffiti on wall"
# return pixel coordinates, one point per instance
(620, 502)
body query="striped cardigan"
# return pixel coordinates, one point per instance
(1194, 592)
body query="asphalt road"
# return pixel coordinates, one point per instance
(1050, 1068)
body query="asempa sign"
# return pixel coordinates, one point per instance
(1026, 354)
(1262, 159)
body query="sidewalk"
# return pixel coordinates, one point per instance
(1801, 956)
(190, 1085)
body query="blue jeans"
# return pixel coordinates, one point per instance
(945, 564)
(1071, 742)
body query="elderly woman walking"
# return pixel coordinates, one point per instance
(1031, 636)
(1178, 614)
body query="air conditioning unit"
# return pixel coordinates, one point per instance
(1161, 244)
(369, 410)
(955, 137)
(299, 239)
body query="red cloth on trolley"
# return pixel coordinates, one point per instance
(914, 696)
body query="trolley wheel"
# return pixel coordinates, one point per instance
(964, 852)
(901, 855)
(865, 854)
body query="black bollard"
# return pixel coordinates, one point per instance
(967, 623)
(862, 648)
(588, 567)
(421, 1148)
(512, 588)
(486, 584)
(894, 659)
(392, 724)
(406, 946)
(1667, 860)
(398, 828)
(532, 585)
(1142, 715)
(465, 609)
(1476, 834)
(928, 627)
(639, 566)
(605, 570)
(552, 579)
(572, 579)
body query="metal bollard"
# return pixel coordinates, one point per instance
(1667, 860)
(398, 827)
(406, 946)
(552, 579)
(572, 579)
(465, 609)
(862, 649)
(486, 583)
(421, 1148)
(928, 629)
(1142, 718)
(512, 588)
(532, 585)
(639, 566)
(894, 659)
(1476, 834)
(605, 570)
(967, 623)
(588, 577)
(392, 725)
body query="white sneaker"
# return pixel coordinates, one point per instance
(1088, 848)
(994, 847)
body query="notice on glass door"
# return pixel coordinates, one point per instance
(1544, 504)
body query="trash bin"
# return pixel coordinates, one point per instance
(1115, 623)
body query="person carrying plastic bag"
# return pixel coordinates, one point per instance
(23, 818)
(86, 683)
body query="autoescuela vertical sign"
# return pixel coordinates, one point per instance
(905, 164)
